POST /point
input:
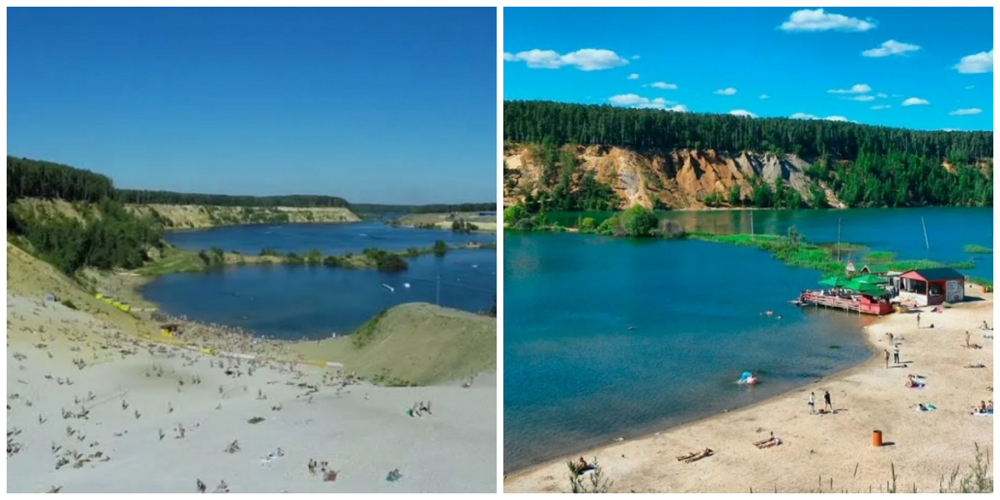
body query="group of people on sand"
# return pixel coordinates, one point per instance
(324, 469)
(984, 408)
(895, 352)
(827, 407)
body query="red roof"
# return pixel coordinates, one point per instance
(936, 274)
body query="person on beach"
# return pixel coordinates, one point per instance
(918, 320)
(826, 398)
(886, 351)
(895, 354)
(812, 403)
(892, 338)
(967, 339)
(985, 326)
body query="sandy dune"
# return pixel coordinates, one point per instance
(925, 446)
(362, 431)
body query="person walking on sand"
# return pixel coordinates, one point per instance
(826, 398)
(895, 354)
(918, 320)
(886, 358)
(966, 339)
(812, 403)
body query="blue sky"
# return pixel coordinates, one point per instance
(379, 105)
(917, 68)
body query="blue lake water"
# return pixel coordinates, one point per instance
(335, 239)
(576, 377)
(293, 302)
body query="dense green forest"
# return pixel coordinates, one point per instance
(379, 210)
(41, 179)
(225, 200)
(865, 166)
(642, 129)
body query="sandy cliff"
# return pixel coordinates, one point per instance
(679, 179)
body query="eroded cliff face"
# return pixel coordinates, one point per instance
(679, 179)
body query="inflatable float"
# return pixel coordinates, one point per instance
(748, 379)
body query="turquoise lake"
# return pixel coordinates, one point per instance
(294, 302)
(576, 376)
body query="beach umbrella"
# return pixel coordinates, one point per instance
(865, 288)
(834, 281)
(871, 279)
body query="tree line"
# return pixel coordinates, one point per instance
(865, 166)
(643, 129)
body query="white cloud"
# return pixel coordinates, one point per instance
(861, 98)
(726, 91)
(976, 63)
(915, 101)
(664, 86)
(633, 76)
(836, 119)
(584, 60)
(891, 48)
(635, 57)
(627, 100)
(964, 112)
(804, 116)
(742, 112)
(881, 106)
(818, 20)
(636, 101)
(881, 95)
(970, 87)
(765, 96)
(860, 88)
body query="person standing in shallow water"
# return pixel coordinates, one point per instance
(826, 398)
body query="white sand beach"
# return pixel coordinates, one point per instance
(91, 408)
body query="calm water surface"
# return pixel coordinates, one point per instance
(336, 239)
(293, 302)
(576, 377)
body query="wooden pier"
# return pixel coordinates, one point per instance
(864, 305)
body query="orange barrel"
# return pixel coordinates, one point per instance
(876, 438)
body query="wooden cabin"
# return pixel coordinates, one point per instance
(932, 287)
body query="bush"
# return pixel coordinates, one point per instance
(385, 261)
(587, 225)
(440, 248)
(514, 214)
(639, 221)
(609, 226)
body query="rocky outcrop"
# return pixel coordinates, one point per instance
(678, 179)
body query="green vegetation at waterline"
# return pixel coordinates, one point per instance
(636, 222)
(864, 166)
(793, 250)
(977, 249)
(177, 260)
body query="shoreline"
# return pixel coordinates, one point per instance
(528, 479)
(872, 351)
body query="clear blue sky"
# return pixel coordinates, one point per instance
(916, 68)
(375, 105)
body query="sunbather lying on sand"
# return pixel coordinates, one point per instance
(769, 442)
(978, 364)
(695, 456)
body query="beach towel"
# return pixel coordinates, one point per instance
(987, 413)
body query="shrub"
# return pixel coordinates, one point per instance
(639, 221)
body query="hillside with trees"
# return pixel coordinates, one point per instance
(554, 152)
